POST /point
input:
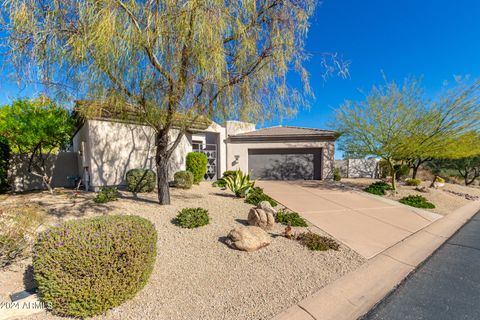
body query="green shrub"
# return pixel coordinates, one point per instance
(256, 195)
(379, 188)
(106, 194)
(192, 218)
(401, 170)
(221, 182)
(17, 229)
(317, 242)
(285, 217)
(413, 182)
(85, 267)
(197, 164)
(417, 202)
(183, 179)
(141, 180)
(239, 183)
(337, 176)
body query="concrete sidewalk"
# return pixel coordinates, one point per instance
(353, 295)
(367, 224)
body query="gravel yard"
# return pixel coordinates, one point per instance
(196, 275)
(445, 201)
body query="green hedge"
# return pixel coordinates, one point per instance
(183, 179)
(197, 164)
(85, 267)
(141, 180)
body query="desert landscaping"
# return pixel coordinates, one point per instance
(196, 275)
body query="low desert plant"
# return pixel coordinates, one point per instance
(417, 202)
(256, 195)
(239, 183)
(337, 176)
(439, 179)
(317, 242)
(196, 163)
(378, 188)
(183, 179)
(192, 218)
(18, 226)
(106, 194)
(85, 267)
(141, 180)
(413, 182)
(285, 217)
(221, 182)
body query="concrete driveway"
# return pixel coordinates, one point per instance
(367, 224)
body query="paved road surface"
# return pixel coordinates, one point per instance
(446, 287)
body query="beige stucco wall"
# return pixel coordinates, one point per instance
(118, 147)
(241, 149)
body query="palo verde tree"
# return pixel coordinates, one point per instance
(446, 127)
(398, 124)
(38, 129)
(168, 62)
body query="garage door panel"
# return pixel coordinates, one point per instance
(284, 164)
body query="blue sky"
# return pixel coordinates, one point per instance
(435, 39)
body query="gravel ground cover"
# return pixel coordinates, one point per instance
(196, 275)
(445, 202)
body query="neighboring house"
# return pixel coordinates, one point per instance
(107, 149)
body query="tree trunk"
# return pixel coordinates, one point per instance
(415, 170)
(161, 160)
(393, 174)
(433, 181)
(162, 183)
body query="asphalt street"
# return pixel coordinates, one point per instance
(445, 287)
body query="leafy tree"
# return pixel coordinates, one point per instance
(379, 125)
(398, 124)
(468, 168)
(167, 62)
(37, 128)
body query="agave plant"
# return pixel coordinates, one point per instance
(239, 183)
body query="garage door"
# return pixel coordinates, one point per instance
(285, 164)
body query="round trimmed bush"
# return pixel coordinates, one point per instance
(196, 163)
(141, 180)
(413, 182)
(192, 218)
(85, 267)
(183, 179)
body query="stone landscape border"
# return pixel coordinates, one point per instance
(356, 293)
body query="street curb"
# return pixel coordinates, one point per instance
(356, 293)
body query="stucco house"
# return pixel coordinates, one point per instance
(107, 148)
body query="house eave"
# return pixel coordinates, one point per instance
(281, 138)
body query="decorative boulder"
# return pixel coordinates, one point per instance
(261, 218)
(266, 206)
(248, 238)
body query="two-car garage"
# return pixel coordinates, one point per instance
(283, 153)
